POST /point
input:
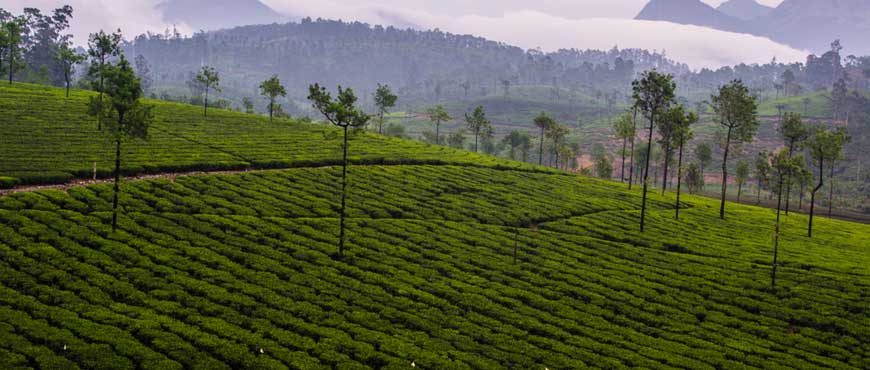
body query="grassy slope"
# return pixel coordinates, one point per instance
(48, 139)
(208, 270)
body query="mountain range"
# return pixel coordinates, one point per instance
(218, 14)
(805, 24)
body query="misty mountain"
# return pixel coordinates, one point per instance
(218, 14)
(805, 24)
(692, 12)
(744, 9)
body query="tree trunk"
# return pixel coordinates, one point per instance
(679, 179)
(665, 174)
(725, 174)
(739, 191)
(758, 201)
(788, 179)
(634, 131)
(813, 196)
(646, 171)
(102, 87)
(475, 140)
(271, 109)
(343, 196)
(205, 105)
(541, 154)
(776, 237)
(437, 132)
(622, 167)
(831, 194)
(11, 55)
(381, 124)
(801, 197)
(117, 184)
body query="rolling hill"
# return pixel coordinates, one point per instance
(466, 262)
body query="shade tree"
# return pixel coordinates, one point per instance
(342, 112)
(102, 47)
(125, 116)
(384, 100)
(735, 109)
(624, 129)
(68, 58)
(653, 94)
(544, 122)
(793, 133)
(478, 124)
(272, 89)
(208, 79)
(825, 146)
(437, 115)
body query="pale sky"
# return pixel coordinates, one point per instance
(545, 24)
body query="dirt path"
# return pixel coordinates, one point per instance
(81, 182)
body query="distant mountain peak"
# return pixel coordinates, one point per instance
(218, 14)
(693, 12)
(744, 9)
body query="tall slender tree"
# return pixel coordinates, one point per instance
(794, 133)
(384, 100)
(633, 138)
(682, 134)
(209, 79)
(782, 165)
(653, 94)
(824, 146)
(624, 129)
(762, 172)
(102, 47)
(670, 121)
(272, 89)
(544, 122)
(478, 124)
(126, 117)
(14, 29)
(68, 59)
(438, 114)
(341, 112)
(557, 134)
(736, 110)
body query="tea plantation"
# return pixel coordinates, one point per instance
(237, 271)
(46, 138)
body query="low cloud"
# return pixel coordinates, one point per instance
(550, 25)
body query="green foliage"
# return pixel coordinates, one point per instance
(742, 172)
(384, 100)
(694, 178)
(704, 154)
(271, 89)
(207, 270)
(437, 115)
(55, 136)
(793, 131)
(736, 110)
(479, 125)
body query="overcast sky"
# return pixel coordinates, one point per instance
(545, 24)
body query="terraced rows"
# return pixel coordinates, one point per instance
(47, 138)
(220, 272)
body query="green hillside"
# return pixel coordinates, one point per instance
(50, 139)
(235, 271)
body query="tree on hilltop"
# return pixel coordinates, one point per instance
(68, 58)
(384, 100)
(101, 48)
(438, 114)
(272, 89)
(209, 79)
